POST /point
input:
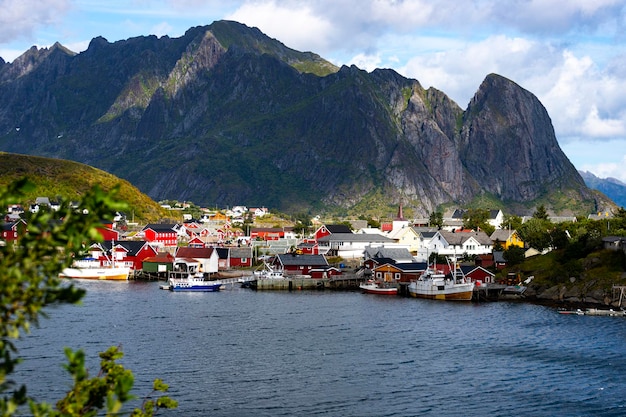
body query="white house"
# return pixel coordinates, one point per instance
(462, 243)
(352, 245)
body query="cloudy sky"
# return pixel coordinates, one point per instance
(570, 53)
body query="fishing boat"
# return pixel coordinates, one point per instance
(193, 283)
(378, 287)
(268, 272)
(187, 276)
(92, 269)
(436, 285)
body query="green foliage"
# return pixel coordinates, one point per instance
(71, 181)
(436, 219)
(477, 219)
(29, 282)
(536, 233)
(541, 213)
(511, 222)
(514, 255)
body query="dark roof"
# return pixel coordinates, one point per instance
(161, 227)
(308, 260)
(132, 246)
(223, 253)
(162, 257)
(338, 228)
(189, 252)
(498, 256)
(411, 266)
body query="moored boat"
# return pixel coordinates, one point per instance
(268, 273)
(378, 287)
(433, 284)
(193, 283)
(186, 276)
(91, 269)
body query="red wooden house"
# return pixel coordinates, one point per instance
(308, 248)
(478, 274)
(124, 253)
(165, 234)
(11, 231)
(325, 230)
(267, 233)
(241, 257)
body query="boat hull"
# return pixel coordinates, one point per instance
(183, 287)
(458, 292)
(103, 274)
(375, 289)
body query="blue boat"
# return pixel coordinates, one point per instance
(191, 283)
(186, 276)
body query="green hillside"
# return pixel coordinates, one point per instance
(70, 180)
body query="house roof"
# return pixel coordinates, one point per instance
(162, 257)
(132, 247)
(411, 266)
(393, 253)
(457, 239)
(267, 229)
(352, 237)
(190, 252)
(502, 235)
(382, 261)
(498, 257)
(308, 260)
(338, 228)
(161, 227)
(223, 253)
(241, 252)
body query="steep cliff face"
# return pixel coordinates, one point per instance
(225, 115)
(509, 146)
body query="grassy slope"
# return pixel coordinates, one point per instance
(70, 180)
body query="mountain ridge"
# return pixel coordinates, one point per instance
(225, 114)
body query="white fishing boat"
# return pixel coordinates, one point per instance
(378, 287)
(268, 272)
(436, 285)
(92, 269)
(186, 276)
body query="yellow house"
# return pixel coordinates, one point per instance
(506, 238)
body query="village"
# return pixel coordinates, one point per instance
(340, 256)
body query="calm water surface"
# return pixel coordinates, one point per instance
(245, 353)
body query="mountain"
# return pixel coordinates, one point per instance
(70, 180)
(611, 187)
(225, 115)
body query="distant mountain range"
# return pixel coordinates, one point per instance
(611, 187)
(225, 115)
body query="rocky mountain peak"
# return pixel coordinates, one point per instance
(225, 115)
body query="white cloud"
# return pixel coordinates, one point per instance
(297, 27)
(366, 62)
(612, 169)
(21, 18)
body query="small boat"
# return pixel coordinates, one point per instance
(268, 273)
(577, 312)
(435, 285)
(378, 287)
(186, 276)
(193, 283)
(91, 269)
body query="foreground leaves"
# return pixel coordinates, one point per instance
(29, 281)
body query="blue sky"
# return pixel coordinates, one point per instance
(570, 53)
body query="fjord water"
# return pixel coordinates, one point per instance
(245, 353)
